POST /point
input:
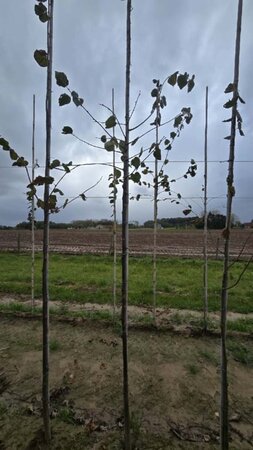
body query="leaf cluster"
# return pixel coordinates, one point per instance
(41, 11)
(233, 102)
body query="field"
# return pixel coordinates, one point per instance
(170, 242)
(174, 388)
(174, 369)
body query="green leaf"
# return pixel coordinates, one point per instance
(39, 180)
(110, 122)
(83, 197)
(177, 121)
(58, 191)
(64, 99)
(41, 58)
(122, 145)
(41, 11)
(238, 115)
(135, 140)
(182, 80)
(230, 103)
(66, 167)
(61, 79)
(104, 138)
(228, 120)
(154, 92)
(13, 155)
(230, 88)
(191, 84)
(55, 163)
(40, 203)
(136, 177)
(52, 201)
(241, 100)
(138, 196)
(228, 138)
(173, 135)
(241, 132)
(173, 79)
(163, 101)
(76, 99)
(5, 144)
(111, 144)
(21, 162)
(65, 203)
(166, 142)
(187, 211)
(67, 130)
(117, 173)
(157, 153)
(136, 162)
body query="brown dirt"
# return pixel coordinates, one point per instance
(186, 243)
(174, 389)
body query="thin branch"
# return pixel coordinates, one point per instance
(141, 123)
(118, 122)
(241, 274)
(93, 118)
(87, 143)
(135, 105)
(82, 193)
(241, 251)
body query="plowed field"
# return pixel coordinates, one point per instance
(185, 243)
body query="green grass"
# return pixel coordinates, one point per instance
(240, 352)
(88, 278)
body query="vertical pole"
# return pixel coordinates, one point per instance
(125, 232)
(45, 269)
(114, 222)
(205, 219)
(32, 217)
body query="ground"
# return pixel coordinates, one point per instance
(174, 387)
(170, 242)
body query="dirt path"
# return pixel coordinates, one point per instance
(174, 389)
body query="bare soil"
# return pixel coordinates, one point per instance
(186, 243)
(174, 389)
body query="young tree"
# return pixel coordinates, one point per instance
(125, 230)
(236, 122)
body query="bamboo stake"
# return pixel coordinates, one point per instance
(205, 220)
(114, 222)
(32, 216)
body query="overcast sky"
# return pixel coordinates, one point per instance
(196, 36)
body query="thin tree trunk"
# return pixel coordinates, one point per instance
(45, 269)
(155, 209)
(205, 220)
(114, 243)
(224, 425)
(125, 232)
(32, 213)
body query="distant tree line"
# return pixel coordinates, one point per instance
(215, 221)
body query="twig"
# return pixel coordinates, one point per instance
(135, 104)
(241, 274)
